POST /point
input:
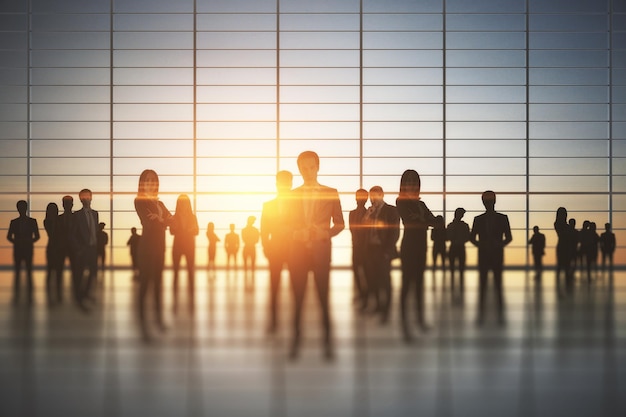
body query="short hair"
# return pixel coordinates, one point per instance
(21, 203)
(376, 189)
(489, 196)
(309, 154)
(85, 191)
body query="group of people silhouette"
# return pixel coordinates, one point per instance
(296, 230)
(75, 236)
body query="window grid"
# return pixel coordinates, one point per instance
(285, 146)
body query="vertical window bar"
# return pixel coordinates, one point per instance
(527, 127)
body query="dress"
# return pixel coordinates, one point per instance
(416, 218)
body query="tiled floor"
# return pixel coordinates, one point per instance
(555, 356)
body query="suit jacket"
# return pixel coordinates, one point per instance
(81, 235)
(23, 233)
(323, 207)
(385, 229)
(275, 231)
(491, 232)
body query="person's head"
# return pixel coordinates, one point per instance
(210, 226)
(309, 165)
(592, 226)
(489, 200)
(536, 229)
(284, 181)
(572, 222)
(410, 184)
(232, 227)
(439, 221)
(376, 195)
(85, 197)
(251, 220)
(52, 211)
(607, 227)
(68, 203)
(459, 213)
(183, 205)
(22, 206)
(561, 214)
(101, 226)
(586, 224)
(133, 230)
(148, 184)
(361, 197)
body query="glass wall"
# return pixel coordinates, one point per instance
(524, 97)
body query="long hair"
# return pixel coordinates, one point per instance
(141, 189)
(410, 184)
(52, 211)
(183, 207)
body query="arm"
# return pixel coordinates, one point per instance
(508, 237)
(36, 235)
(337, 217)
(11, 232)
(474, 234)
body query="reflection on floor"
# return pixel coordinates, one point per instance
(555, 356)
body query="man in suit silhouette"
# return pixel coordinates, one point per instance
(315, 217)
(383, 231)
(276, 239)
(491, 232)
(84, 242)
(23, 233)
(359, 247)
(65, 235)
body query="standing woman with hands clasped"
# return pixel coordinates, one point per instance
(416, 218)
(155, 218)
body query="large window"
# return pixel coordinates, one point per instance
(525, 97)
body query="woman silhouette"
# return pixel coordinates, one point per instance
(416, 218)
(184, 227)
(155, 218)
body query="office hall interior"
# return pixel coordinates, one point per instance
(525, 98)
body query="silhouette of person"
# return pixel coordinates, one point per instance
(383, 231)
(54, 260)
(314, 207)
(416, 218)
(576, 253)
(212, 249)
(155, 218)
(184, 228)
(276, 239)
(23, 233)
(133, 244)
(250, 237)
(538, 246)
(458, 233)
(490, 232)
(564, 246)
(589, 241)
(438, 237)
(607, 246)
(84, 237)
(64, 233)
(103, 240)
(359, 247)
(231, 244)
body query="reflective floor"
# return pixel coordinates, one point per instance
(559, 353)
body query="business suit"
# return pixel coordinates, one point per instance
(313, 208)
(23, 233)
(276, 242)
(383, 232)
(491, 232)
(359, 252)
(84, 243)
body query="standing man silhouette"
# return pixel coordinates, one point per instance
(23, 233)
(383, 231)
(458, 233)
(607, 246)
(491, 232)
(250, 237)
(359, 247)
(276, 239)
(65, 239)
(85, 246)
(231, 244)
(538, 245)
(315, 217)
